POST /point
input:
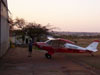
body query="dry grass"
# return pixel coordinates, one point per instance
(87, 58)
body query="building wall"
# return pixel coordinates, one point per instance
(4, 28)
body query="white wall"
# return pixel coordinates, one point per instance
(4, 29)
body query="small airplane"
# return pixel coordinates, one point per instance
(65, 46)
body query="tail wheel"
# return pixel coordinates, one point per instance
(48, 56)
(92, 54)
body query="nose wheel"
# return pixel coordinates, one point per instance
(48, 56)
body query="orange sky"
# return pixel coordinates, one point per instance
(66, 15)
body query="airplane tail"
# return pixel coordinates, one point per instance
(93, 46)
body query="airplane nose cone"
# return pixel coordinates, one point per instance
(39, 44)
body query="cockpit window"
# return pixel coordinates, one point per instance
(56, 43)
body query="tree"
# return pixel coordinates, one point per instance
(10, 21)
(30, 29)
(36, 30)
(18, 22)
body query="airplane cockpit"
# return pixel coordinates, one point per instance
(56, 43)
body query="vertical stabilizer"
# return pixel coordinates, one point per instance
(93, 46)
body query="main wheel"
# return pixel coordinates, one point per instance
(48, 56)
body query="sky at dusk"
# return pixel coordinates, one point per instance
(65, 15)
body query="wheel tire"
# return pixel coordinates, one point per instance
(48, 56)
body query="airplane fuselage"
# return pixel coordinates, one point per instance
(65, 46)
(69, 48)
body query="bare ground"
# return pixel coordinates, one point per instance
(17, 62)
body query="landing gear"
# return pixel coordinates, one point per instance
(48, 56)
(92, 54)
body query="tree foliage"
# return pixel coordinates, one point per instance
(36, 30)
(29, 29)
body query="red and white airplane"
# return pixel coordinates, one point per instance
(65, 46)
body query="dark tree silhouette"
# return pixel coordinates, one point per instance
(30, 29)
(36, 30)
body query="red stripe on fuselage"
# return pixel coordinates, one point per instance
(52, 50)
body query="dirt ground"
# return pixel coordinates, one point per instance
(17, 62)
